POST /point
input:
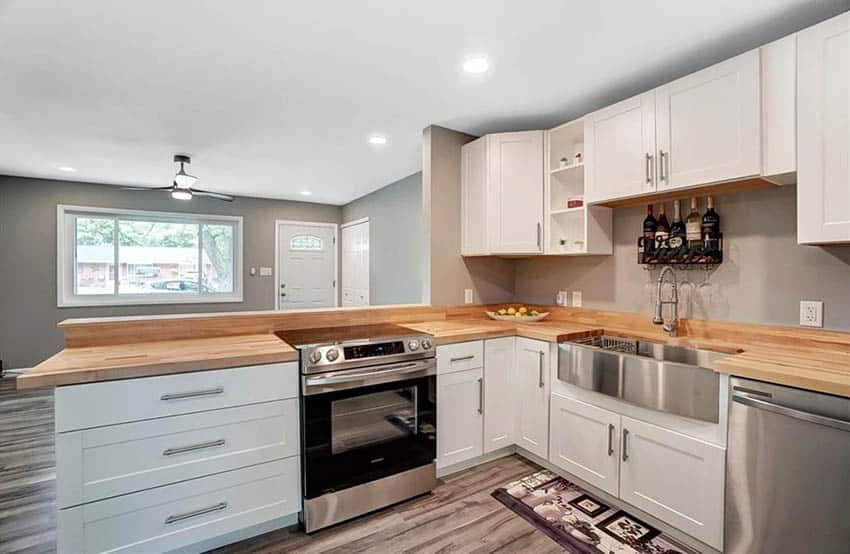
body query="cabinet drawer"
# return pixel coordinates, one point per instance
(176, 516)
(119, 459)
(108, 403)
(460, 356)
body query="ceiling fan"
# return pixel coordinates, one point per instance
(181, 188)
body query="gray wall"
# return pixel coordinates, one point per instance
(491, 279)
(396, 240)
(764, 275)
(28, 312)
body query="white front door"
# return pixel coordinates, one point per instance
(355, 264)
(306, 266)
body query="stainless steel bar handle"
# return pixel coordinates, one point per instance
(610, 439)
(662, 174)
(625, 444)
(462, 358)
(648, 168)
(480, 396)
(540, 370)
(538, 235)
(192, 447)
(192, 394)
(346, 377)
(195, 513)
(746, 399)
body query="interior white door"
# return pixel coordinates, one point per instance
(306, 268)
(460, 420)
(676, 478)
(585, 441)
(355, 264)
(499, 393)
(823, 132)
(515, 192)
(533, 389)
(619, 144)
(708, 124)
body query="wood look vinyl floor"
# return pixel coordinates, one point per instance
(459, 516)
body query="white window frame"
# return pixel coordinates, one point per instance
(66, 254)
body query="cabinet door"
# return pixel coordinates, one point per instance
(473, 200)
(460, 407)
(499, 393)
(515, 192)
(585, 441)
(708, 125)
(823, 132)
(619, 143)
(675, 478)
(533, 390)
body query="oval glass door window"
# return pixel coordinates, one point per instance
(306, 242)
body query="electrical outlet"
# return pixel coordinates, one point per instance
(467, 296)
(577, 299)
(811, 313)
(561, 298)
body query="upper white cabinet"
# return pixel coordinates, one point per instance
(499, 393)
(823, 132)
(502, 194)
(708, 125)
(533, 389)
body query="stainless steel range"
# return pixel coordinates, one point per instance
(368, 417)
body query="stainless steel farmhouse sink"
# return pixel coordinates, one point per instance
(667, 378)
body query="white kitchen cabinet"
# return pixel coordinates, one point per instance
(460, 416)
(620, 149)
(502, 194)
(585, 441)
(673, 477)
(499, 393)
(823, 132)
(532, 358)
(708, 125)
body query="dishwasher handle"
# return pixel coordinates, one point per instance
(749, 400)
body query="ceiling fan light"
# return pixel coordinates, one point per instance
(178, 194)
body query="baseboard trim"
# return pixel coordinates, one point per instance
(466, 464)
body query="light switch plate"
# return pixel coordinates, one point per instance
(577, 299)
(252, 271)
(265, 272)
(467, 296)
(811, 313)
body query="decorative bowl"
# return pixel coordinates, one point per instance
(523, 318)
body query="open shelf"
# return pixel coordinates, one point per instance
(572, 167)
(567, 210)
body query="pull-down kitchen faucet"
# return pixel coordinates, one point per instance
(671, 327)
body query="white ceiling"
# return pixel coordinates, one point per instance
(275, 97)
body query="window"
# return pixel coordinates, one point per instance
(123, 257)
(305, 242)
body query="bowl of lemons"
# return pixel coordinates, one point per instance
(517, 313)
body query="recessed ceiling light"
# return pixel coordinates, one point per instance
(306, 193)
(377, 139)
(67, 169)
(476, 65)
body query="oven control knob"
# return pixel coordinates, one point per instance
(413, 345)
(315, 356)
(332, 354)
(426, 344)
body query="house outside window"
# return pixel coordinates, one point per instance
(129, 257)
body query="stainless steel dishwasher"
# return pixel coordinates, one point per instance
(787, 470)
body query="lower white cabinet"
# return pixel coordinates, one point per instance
(460, 416)
(585, 441)
(674, 477)
(499, 393)
(532, 359)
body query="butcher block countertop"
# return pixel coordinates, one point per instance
(813, 360)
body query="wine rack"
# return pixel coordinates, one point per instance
(661, 253)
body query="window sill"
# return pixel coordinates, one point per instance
(136, 301)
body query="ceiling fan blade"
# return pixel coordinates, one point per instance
(147, 188)
(217, 195)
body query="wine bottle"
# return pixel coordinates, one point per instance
(710, 228)
(662, 232)
(677, 228)
(693, 227)
(649, 227)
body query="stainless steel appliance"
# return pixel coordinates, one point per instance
(787, 470)
(368, 411)
(662, 377)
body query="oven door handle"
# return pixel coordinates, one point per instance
(349, 379)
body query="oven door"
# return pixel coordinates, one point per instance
(364, 424)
